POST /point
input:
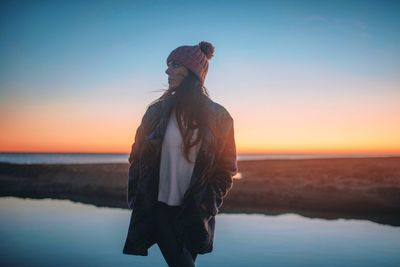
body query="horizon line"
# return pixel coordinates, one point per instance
(238, 153)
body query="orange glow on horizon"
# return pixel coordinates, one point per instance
(101, 127)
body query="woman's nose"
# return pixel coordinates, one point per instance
(168, 71)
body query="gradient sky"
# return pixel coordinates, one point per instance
(296, 76)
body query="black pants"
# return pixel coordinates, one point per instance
(167, 238)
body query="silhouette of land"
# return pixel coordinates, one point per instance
(350, 188)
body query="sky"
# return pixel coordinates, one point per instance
(296, 76)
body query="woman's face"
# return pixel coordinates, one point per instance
(176, 73)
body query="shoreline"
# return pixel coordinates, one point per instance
(328, 188)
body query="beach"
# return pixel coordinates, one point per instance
(330, 188)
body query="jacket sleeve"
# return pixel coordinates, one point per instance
(226, 166)
(133, 174)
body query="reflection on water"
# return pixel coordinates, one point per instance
(61, 233)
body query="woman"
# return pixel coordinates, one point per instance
(181, 164)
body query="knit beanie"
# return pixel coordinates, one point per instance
(195, 58)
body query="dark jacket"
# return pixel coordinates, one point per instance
(195, 222)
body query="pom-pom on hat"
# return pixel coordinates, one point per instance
(195, 58)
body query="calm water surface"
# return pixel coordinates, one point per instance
(89, 158)
(62, 233)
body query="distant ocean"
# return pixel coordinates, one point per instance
(82, 158)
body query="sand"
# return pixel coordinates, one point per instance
(351, 188)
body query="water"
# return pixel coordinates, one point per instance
(62, 158)
(62, 233)
(81, 158)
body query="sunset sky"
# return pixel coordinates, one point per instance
(296, 76)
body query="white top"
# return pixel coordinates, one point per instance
(175, 170)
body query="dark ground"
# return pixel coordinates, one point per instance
(351, 188)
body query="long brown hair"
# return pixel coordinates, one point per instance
(191, 113)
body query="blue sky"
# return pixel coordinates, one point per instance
(94, 52)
